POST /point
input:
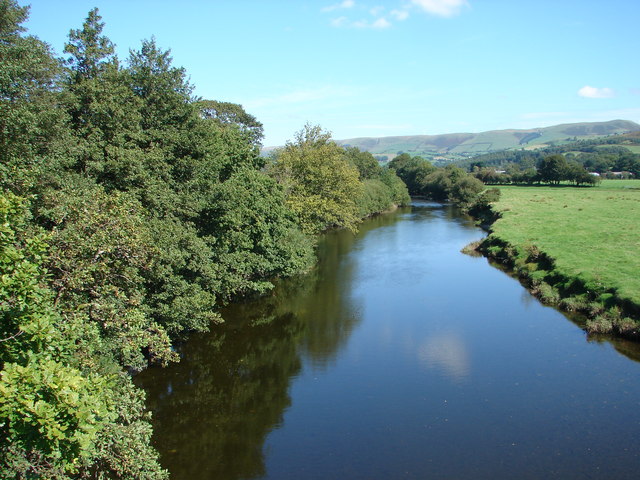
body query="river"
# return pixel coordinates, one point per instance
(398, 357)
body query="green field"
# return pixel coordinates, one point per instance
(591, 233)
(633, 148)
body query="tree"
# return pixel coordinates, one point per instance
(29, 117)
(256, 237)
(397, 188)
(465, 190)
(553, 169)
(438, 184)
(103, 112)
(228, 114)
(413, 171)
(453, 184)
(100, 250)
(163, 89)
(367, 165)
(51, 413)
(90, 51)
(321, 187)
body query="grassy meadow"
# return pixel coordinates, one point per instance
(592, 234)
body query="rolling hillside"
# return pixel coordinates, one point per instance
(457, 146)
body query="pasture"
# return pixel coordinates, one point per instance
(591, 233)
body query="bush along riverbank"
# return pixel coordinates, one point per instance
(605, 309)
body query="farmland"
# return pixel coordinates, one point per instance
(583, 242)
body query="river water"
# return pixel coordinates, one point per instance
(398, 357)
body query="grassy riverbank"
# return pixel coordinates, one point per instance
(575, 247)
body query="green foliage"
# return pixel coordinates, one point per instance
(256, 238)
(441, 184)
(327, 186)
(466, 190)
(603, 156)
(552, 169)
(453, 184)
(124, 450)
(51, 412)
(413, 171)
(28, 321)
(163, 89)
(90, 51)
(51, 408)
(376, 197)
(232, 115)
(322, 187)
(101, 249)
(29, 119)
(367, 166)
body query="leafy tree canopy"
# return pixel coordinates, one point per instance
(232, 114)
(322, 187)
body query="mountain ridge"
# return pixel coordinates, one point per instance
(455, 146)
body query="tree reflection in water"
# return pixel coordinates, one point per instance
(213, 410)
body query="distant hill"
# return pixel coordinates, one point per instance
(458, 146)
(602, 154)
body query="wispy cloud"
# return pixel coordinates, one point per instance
(400, 14)
(381, 23)
(441, 8)
(345, 4)
(339, 22)
(383, 19)
(595, 92)
(377, 24)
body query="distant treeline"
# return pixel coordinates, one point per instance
(551, 169)
(131, 212)
(608, 157)
(450, 183)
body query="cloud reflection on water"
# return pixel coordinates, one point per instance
(446, 352)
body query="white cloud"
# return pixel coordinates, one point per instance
(594, 92)
(400, 14)
(338, 6)
(378, 24)
(441, 8)
(381, 23)
(339, 22)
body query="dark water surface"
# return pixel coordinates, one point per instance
(399, 357)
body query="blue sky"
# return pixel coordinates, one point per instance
(386, 67)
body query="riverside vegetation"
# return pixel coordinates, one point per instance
(131, 212)
(576, 248)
